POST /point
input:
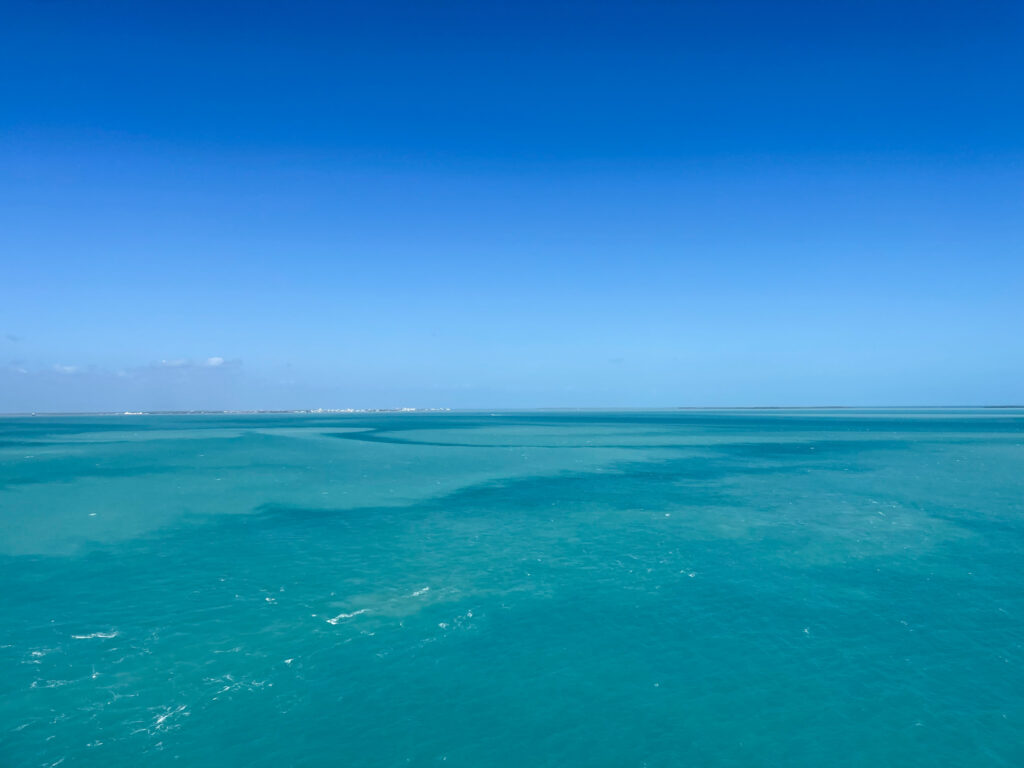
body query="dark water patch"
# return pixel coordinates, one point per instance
(69, 470)
(1000, 524)
(391, 439)
(115, 459)
(816, 449)
(28, 443)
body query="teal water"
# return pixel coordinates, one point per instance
(678, 588)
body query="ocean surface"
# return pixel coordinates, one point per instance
(668, 588)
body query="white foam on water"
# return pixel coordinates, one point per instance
(50, 683)
(94, 635)
(419, 592)
(341, 616)
(161, 719)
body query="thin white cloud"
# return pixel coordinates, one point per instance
(181, 362)
(199, 383)
(168, 370)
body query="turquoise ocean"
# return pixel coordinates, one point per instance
(603, 588)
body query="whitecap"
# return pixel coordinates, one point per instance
(341, 616)
(50, 683)
(159, 723)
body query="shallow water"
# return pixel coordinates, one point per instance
(669, 588)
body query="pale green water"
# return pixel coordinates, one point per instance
(515, 589)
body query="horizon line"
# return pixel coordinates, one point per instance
(353, 411)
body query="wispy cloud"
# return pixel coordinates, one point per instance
(208, 362)
(210, 382)
(180, 365)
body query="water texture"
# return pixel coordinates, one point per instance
(669, 588)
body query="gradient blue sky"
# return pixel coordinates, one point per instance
(653, 203)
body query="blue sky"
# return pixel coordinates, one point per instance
(654, 203)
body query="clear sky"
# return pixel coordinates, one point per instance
(477, 204)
